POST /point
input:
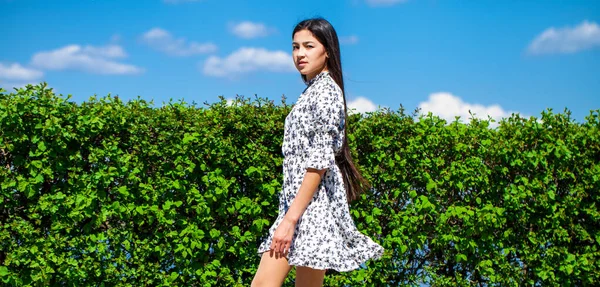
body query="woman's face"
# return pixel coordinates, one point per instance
(310, 56)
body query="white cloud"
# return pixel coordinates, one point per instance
(161, 40)
(248, 60)
(16, 72)
(361, 105)
(230, 101)
(110, 51)
(11, 85)
(448, 106)
(250, 30)
(89, 59)
(384, 2)
(566, 39)
(349, 40)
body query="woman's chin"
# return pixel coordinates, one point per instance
(304, 71)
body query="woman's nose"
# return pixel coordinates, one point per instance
(301, 52)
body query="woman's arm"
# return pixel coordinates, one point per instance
(311, 181)
(285, 231)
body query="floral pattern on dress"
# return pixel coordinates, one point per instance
(325, 236)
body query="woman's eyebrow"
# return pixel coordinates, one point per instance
(305, 42)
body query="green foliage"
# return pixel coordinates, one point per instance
(109, 193)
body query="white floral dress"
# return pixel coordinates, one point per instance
(325, 236)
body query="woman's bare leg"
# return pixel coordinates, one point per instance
(272, 270)
(308, 277)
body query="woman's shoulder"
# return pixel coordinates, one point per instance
(326, 86)
(332, 85)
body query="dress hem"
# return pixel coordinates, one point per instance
(375, 255)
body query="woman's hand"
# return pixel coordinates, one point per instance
(282, 238)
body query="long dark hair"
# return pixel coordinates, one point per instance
(321, 29)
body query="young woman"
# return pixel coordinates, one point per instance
(314, 230)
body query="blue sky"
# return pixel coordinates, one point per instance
(445, 56)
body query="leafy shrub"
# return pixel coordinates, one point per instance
(107, 193)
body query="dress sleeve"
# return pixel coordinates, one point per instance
(328, 120)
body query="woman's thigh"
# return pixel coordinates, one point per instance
(272, 270)
(308, 277)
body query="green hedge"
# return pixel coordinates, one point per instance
(108, 193)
